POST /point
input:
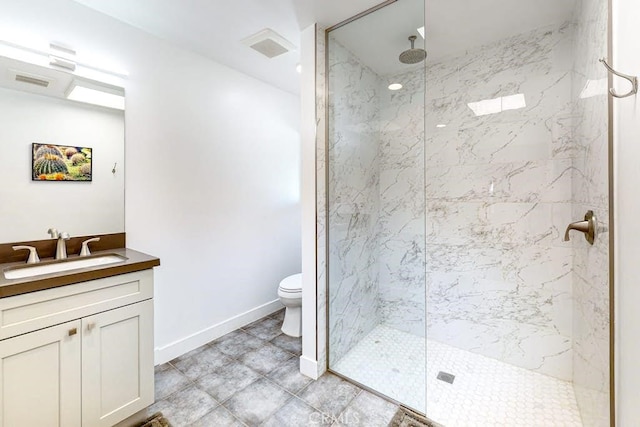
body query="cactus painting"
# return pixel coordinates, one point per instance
(60, 163)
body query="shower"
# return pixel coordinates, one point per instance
(449, 287)
(413, 55)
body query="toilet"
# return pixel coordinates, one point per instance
(290, 293)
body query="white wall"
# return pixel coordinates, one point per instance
(28, 208)
(212, 173)
(626, 55)
(312, 328)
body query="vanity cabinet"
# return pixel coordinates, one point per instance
(40, 378)
(86, 358)
(117, 364)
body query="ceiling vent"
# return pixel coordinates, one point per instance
(269, 43)
(33, 79)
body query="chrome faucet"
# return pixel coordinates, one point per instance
(61, 247)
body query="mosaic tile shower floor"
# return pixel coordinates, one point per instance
(485, 392)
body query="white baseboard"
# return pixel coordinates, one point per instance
(193, 341)
(309, 367)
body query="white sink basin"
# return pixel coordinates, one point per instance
(71, 264)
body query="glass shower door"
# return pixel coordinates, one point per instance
(376, 204)
(516, 150)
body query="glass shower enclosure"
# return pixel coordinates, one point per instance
(450, 183)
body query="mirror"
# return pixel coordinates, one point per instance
(34, 109)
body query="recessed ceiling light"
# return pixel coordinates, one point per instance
(441, 125)
(299, 68)
(421, 31)
(395, 86)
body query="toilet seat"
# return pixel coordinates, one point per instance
(291, 285)
(290, 294)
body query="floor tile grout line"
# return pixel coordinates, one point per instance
(263, 376)
(215, 408)
(236, 358)
(348, 405)
(211, 343)
(295, 395)
(276, 410)
(271, 381)
(221, 403)
(233, 359)
(319, 410)
(186, 386)
(292, 395)
(194, 382)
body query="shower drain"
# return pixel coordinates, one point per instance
(446, 377)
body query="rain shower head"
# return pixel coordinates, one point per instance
(413, 55)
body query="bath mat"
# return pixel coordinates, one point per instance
(407, 418)
(156, 420)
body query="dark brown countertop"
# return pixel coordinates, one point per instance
(135, 261)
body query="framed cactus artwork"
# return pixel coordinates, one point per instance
(60, 163)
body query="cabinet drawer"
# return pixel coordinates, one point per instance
(24, 313)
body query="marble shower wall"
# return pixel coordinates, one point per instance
(591, 191)
(354, 199)
(498, 194)
(402, 203)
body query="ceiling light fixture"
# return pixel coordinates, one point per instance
(92, 93)
(56, 56)
(395, 86)
(12, 51)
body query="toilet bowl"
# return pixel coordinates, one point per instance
(290, 293)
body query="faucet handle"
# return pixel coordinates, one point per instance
(53, 232)
(588, 227)
(33, 253)
(85, 246)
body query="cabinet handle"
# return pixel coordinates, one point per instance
(73, 331)
(90, 326)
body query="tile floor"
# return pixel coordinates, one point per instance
(484, 393)
(250, 377)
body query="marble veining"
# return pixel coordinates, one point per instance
(498, 196)
(401, 230)
(353, 199)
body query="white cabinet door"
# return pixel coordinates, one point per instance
(117, 364)
(40, 378)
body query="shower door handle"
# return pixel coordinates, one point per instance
(588, 227)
